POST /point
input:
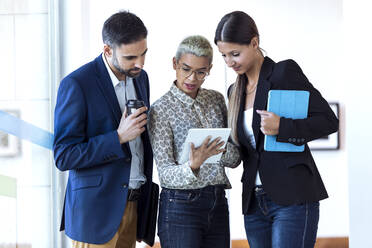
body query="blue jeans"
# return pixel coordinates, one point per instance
(276, 226)
(197, 218)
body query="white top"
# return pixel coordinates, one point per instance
(248, 117)
(124, 91)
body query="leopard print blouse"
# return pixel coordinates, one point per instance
(170, 118)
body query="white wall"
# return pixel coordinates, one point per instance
(357, 65)
(308, 31)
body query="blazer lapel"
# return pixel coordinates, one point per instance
(139, 90)
(105, 85)
(107, 89)
(260, 101)
(141, 95)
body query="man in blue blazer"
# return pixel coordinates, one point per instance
(106, 151)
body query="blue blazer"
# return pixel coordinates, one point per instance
(86, 143)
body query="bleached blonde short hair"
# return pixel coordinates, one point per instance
(196, 45)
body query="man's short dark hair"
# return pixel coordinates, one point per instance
(123, 28)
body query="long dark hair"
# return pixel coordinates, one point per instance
(236, 27)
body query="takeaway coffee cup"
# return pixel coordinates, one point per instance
(134, 104)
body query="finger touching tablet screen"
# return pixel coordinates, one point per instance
(197, 136)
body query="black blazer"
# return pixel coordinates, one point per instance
(287, 177)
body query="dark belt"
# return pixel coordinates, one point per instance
(134, 194)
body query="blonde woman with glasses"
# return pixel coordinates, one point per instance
(193, 209)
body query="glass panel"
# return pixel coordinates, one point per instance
(25, 121)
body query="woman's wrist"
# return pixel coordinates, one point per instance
(195, 169)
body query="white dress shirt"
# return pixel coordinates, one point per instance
(125, 91)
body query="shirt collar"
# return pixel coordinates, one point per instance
(115, 81)
(186, 99)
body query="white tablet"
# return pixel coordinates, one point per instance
(198, 135)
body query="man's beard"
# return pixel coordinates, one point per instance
(133, 72)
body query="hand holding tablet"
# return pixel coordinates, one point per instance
(198, 135)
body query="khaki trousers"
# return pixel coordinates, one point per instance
(125, 237)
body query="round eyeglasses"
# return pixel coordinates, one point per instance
(187, 72)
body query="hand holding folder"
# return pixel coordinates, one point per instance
(269, 122)
(292, 104)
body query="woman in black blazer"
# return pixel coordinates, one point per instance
(281, 190)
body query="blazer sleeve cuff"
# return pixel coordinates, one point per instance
(115, 151)
(286, 133)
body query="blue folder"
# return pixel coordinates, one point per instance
(292, 104)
